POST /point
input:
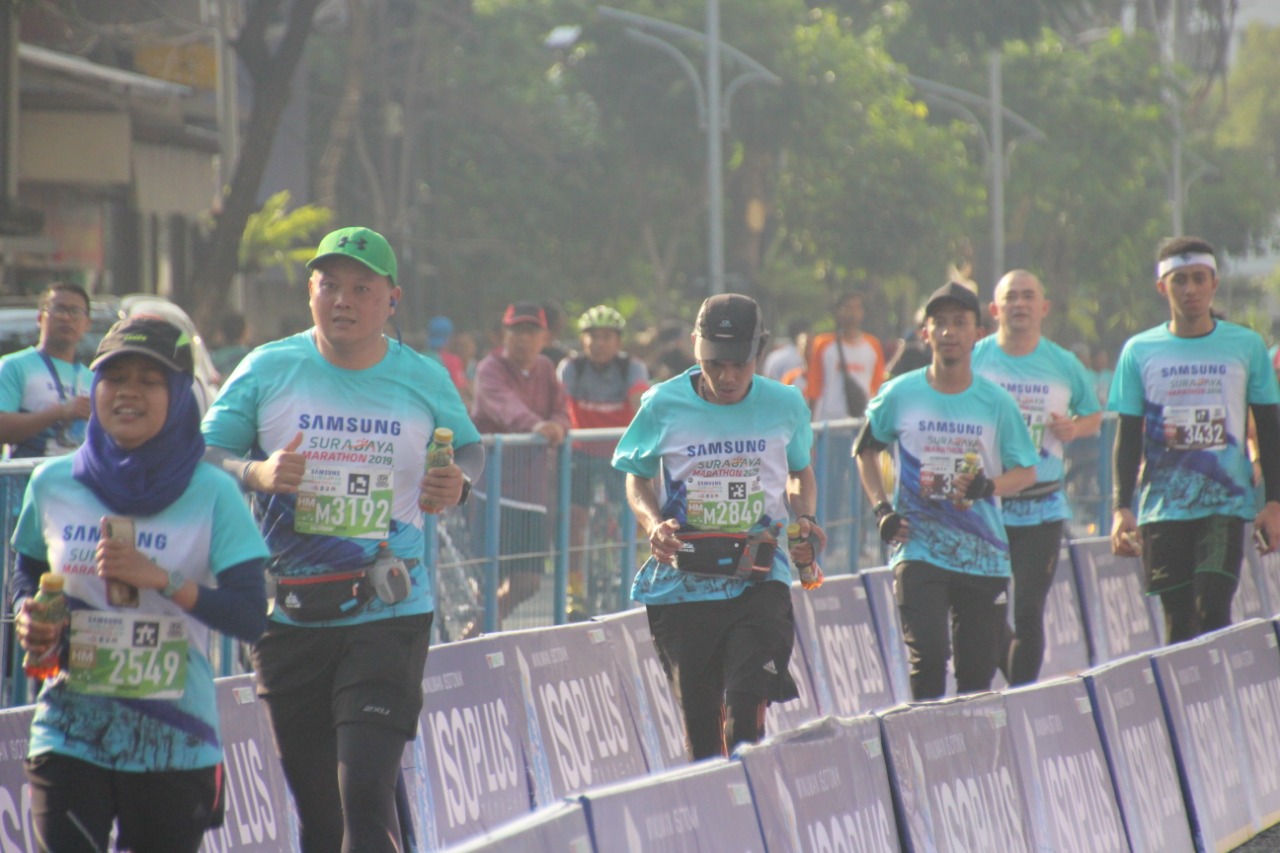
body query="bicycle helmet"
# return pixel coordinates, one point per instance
(602, 317)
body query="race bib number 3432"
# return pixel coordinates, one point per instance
(1195, 427)
(128, 655)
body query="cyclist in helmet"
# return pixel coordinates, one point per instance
(604, 386)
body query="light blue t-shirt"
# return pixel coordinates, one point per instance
(205, 531)
(365, 436)
(1048, 380)
(27, 385)
(934, 432)
(1193, 395)
(723, 468)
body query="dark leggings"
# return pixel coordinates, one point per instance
(356, 811)
(1198, 607)
(74, 804)
(741, 720)
(1033, 551)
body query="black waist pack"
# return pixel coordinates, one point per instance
(747, 557)
(322, 598)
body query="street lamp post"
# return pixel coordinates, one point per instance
(713, 105)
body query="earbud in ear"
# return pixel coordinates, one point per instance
(393, 302)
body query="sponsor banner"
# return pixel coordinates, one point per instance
(954, 777)
(1066, 649)
(653, 706)
(1115, 609)
(1063, 769)
(260, 815)
(823, 787)
(839, 639)
(561, 827)
(1253, 670)
(1248, 602)
(579, 730)
(1266, 574)
(1135, 737)
(465, 772)
(704, 807)
(884, 614)
(783, 716)
(15, 797)
(1203, 725)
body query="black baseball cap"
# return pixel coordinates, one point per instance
(956, 293)
(149, 335)
(729, 328)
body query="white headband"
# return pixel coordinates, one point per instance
(1174, 262)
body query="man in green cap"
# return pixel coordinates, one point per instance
(328, 429)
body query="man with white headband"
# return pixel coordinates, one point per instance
(1184, 391)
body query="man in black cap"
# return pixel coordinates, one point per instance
(717, 459)
(962, 444)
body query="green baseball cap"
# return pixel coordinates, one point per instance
(360, 244)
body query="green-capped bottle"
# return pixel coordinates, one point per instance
(439, 454)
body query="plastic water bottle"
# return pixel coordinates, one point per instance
(48, 665)
(810, 573)
(439, 454)
(970, 465)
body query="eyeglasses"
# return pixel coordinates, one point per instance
(71, 312)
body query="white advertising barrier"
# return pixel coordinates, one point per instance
(955, 779)
(884, 615)
(653, 706)
(15, 797)
(561, 828)
(823, 787)
(580, 732)
(840, 643)
(1063, 769)
(1066, 648)
(1266, 574)
(1135, 736)
(1116, 614)
(1249, 601)
(465, 772)
(702, 808)
(1207, 742)
(1252, 662)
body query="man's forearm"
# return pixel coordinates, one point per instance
(642, 495)
(802, 492)
(16, 427)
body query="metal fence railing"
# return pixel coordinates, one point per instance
(548, 537)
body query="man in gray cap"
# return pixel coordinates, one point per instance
(716, 460)
(962, 444)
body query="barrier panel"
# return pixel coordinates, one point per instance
(15, 799)
(705, 807)
(884, 615)
(465, 772)
(954, 776)
(1204, 727)
(1066, 646)
(839, 639)
(1248, 602)
(561, 827)
(1116, 615)
(1135, 738)
(1252, 663)
(580, 731)
(1266, 574)
(1063, 770)
(823, 787)
(783, 716)
(653, 706)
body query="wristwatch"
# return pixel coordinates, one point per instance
(466, 490)
(176, 582)
(882, 509)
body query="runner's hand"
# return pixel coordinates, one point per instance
(122, 561)
(1268, 522)
(663, 541)
(1062, 427)
(440, 487)
(76, 409)
(281, 472)
(1125, 541)
(34, 635)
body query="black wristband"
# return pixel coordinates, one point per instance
(889, 526)
(810, 518)
(980, 487)
(882, 509)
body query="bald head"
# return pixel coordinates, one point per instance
(1019, 306)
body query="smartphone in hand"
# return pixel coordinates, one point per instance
(120, 529)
